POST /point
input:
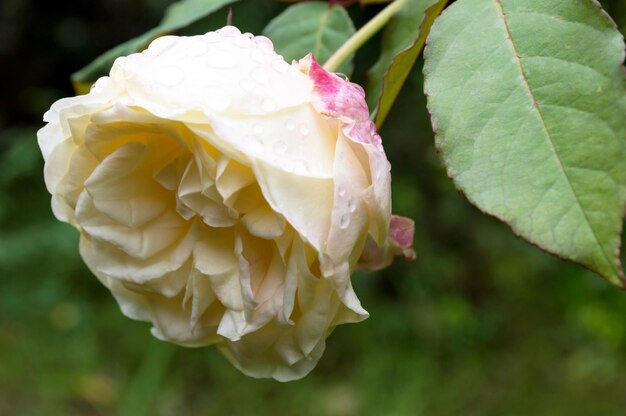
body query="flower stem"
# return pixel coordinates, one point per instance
(363, 35)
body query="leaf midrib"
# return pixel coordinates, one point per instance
(525, 82)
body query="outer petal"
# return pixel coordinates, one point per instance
(187, 78)
(345, 101)
(304, 201)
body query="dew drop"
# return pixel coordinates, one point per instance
(304, 129)
(197, 48)
(258, 56)
(159, 45)
(268, 105)
(246, 85)
(254, 143)
(221, 60)
(211, 78)
(264, 43)
(261, 75)
(258, 129)
(341, 191)
(344, 222)
(351, 205)
(243, 41)
(280, 147)
(301, 166)
(211, 37)
(285, 164)
(229, 31)
(290, 125)
(279, 65)
(98, 86)
(169, 76)
(218, 101)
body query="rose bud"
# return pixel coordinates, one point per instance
(225, 196)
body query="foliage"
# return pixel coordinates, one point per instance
(403, 41)
(177, 16)
(313, 27)
(530, 121)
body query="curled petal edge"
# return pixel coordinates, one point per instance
(399, 243)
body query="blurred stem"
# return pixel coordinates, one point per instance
(363, 35)
(144, 388)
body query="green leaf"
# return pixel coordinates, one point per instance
(177, 16)
(403, 41)
(527, 102)
(311, 27)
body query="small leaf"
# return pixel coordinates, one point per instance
(403, 41)
(527, 101)
(177, 16)
(311, 27)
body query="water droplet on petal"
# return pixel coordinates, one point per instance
(304, 129)
(159, 45)
(268, 105)
(243, 41)
(279, 65)
(344, 222)
(229, 31)
(169, 76)
(258, 56)
(222, 60)
(258, 129)
(342, 76)
(261, 75)
(216, 99)
(351, 205)
(99, 85)
(341, 191)
(301, 166)
(211, 37)
(254, 143)
(246, 85)
(264, 43)
(197, 48)
(284, 164)
(290, 125)
(280, 147)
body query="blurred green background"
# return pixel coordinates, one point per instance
(480, 324)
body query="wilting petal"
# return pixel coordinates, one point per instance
(399, 243)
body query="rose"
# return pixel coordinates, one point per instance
(225, 196)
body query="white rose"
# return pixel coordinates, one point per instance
(224, 195)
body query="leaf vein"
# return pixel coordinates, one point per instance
(547, 132)
(595, 70)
